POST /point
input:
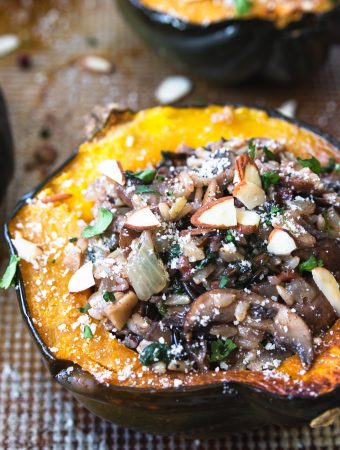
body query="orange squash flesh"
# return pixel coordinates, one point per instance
(203, 12)
(136, 139)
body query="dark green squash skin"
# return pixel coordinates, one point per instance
(198, 411)
(6, 149)
(232, 51)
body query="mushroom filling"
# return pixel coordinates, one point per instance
(221, 257)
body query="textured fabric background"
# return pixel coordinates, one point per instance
(36, 413)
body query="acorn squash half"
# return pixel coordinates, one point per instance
(101, 372)
(210, 39)
(6, 148)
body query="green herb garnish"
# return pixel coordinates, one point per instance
(177, 286)
(251, 149)
(85, 308)
(311, 263)
(87, 332)
(313, 164)
(103, 220)
(74, 239)
(221, 348)
(109, 296)
(175, 251)
(274, 211)
(8, 276)
(162, 309)
(269, 178)
(160, 178)
(224, 280)
(153, 353)
(242, 6)
(269, 154)
(146, 175)
(209, 257)
(146, 190)
(229, 237)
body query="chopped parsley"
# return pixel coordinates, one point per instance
(74, 239)
(274, 211)
(8, 276)
(85, 308)
(162, 309)
(153, 353)
(143, 189)
(311, 263)
(209, 257)
(224, 280)
(160, 178)
(251, 149)
(147, 175)
(269, 178)
(269, 154)
(175, 251)
(229, 237)
(177, 286)
(242, 6)
(102, 222)
(87, 332)
(221, 348)
(109, 296)
(312, 163)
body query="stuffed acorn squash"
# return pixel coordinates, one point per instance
(231, 41)
(180, 272)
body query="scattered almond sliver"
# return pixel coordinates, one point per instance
(280, 242)
(8, 44)
(56, 197)
(82, 279)
(96, 64)
(172, 89)
(142, 219)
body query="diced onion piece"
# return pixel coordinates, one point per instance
(145, 270)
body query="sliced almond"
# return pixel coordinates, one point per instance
(28, 251)
(328, 285)
(120, 311)
(280, 242)
(142, 219)
(113, 170)
(8, 44)
(82, 279)
(219, 213)
(248, 221)
(250, 194)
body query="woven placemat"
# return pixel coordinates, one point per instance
(56, 95)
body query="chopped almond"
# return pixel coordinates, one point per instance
(82, 279)
(142, 219)
(328, 285)
(119, 312)
(28, 251)
(280, 242)
(250, 194)
(219, 213)
(248, 221)
(246, 170)
(113, 170)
